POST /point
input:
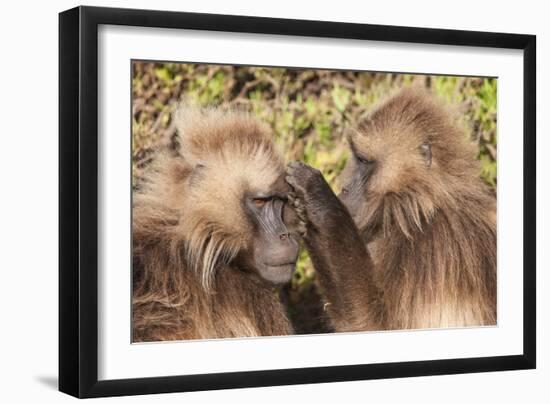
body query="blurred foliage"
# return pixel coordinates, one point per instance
(309, 111)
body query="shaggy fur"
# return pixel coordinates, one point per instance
(188, 226)
(428, 222)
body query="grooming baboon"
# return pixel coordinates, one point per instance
(209, 242)
(412, 243)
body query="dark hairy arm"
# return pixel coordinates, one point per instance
(339, 255)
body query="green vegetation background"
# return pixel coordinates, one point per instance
(308, 111)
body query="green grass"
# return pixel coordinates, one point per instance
(309, 111)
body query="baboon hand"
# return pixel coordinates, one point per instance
(301, 214)
(303, 178)
(308, 188)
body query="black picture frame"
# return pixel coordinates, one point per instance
(78, 201)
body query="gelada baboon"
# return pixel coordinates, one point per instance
(210, 244)
(412, 242)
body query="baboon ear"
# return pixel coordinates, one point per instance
(426, 151)
(197, 173)
(199, 168)
(350, 134)
(191, 126)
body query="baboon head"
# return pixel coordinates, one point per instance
(409, 156)
(227, 193)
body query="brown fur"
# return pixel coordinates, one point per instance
(427, 228)
(186, 236)
(431, 231)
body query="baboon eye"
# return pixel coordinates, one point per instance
(260, 202)
(363, 160)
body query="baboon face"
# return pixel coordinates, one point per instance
(273, 251)
(405, 155)
(383, 163)
(249, 209)
(236, 197)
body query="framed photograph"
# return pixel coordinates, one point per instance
(251, 201)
